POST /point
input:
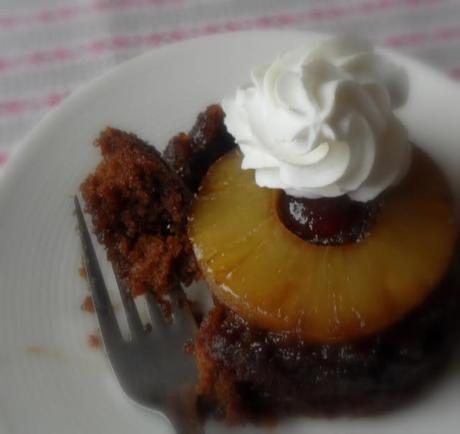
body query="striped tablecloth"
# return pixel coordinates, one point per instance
(49, 47)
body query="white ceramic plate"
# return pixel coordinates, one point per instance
(50, 380)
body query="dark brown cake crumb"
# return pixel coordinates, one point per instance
(94, 341)
(139, 210)
(189, 347)
(247, 373)
(87, 305)
(191, 155)
(82, 272)
(42, 351)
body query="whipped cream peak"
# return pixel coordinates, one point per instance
(319, 121)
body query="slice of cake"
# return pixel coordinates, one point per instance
(139, 209)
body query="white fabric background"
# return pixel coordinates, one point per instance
(49, 47)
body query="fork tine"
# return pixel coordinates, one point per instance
(156, 315)
(132, 315)
(102, 304)
(183, 317)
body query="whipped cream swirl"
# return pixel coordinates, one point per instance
(319, 121)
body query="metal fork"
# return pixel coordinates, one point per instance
(152, 368)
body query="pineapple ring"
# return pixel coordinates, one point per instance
(279, 282)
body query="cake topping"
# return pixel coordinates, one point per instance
(326, 221)
(271, 276)
(319, 122)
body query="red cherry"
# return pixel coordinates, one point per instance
(328, 221)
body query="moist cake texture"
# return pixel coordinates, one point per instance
(249, 374)
(139, 210)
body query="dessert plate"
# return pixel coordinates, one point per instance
(51, 381)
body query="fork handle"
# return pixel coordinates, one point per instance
(182, 409)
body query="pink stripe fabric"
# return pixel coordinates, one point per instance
(116, 43)
(71, 12)
(3, 158)
(455, 73)
(17, 107)
(437, 35)
(48, 47)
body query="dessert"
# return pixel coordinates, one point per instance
(139, 212)
(328, 240)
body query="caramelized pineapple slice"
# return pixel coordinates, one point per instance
(277, 281)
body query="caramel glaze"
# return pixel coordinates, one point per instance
(192, 154)
(248, 373)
